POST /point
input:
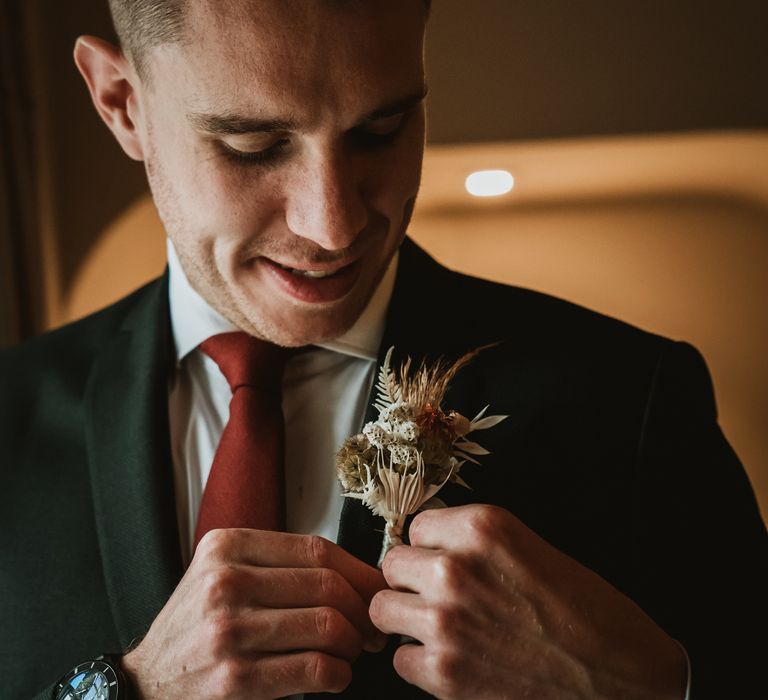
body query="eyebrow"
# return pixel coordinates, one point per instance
(234, 124)
(397, 107)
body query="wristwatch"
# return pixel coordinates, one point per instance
(99, 679)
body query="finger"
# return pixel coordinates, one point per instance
(293, 588)
(411, 664)
(462, 528)
(413, 568)
(281, 675)
(439, 575)
(313, 629)
(283, 549)
(394, 612)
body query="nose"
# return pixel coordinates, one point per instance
(325, 203)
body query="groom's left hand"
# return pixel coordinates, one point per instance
(501, 613)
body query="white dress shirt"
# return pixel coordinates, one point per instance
(325, 392)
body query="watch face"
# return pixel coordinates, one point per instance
(94, 680)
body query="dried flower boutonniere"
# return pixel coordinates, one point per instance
(404, 457)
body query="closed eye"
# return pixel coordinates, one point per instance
(385, 125)
(267, 155)
(380, 131)
(269, 151)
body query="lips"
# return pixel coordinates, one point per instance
(313, 286)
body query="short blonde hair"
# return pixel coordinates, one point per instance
(144, 24)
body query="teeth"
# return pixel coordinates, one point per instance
(313, 273)
(317, 274)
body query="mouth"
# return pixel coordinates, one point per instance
(313, 284)
(315, 274)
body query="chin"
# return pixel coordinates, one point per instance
(292, 330)
(295, 324)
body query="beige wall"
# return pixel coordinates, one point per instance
(526, 69)
(668, 233)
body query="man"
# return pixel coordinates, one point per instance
(611, 534)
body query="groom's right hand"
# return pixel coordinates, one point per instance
(259, 615)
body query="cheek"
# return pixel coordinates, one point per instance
(231, 202)
(398, 174)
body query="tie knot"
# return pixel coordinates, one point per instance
(247, 361)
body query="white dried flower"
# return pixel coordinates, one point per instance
(403, 454)
(377, 436)
(397, 412)
(407, 430)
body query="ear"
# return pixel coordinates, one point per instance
(112, 83)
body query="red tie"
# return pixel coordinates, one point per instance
(246, 486)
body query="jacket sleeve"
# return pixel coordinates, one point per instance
(46, 694)
(699, 545)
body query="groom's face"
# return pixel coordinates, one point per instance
(283, 142)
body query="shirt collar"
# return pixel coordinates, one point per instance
(193, 320)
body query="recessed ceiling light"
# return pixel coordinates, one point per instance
(489, 183)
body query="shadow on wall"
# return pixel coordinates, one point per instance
(668, 233)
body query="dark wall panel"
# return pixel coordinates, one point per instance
(502, 69)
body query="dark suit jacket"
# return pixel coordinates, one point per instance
(611, 452)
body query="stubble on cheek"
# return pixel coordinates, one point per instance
(194, 248)
(190, 195)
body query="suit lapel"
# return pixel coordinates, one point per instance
(130, 462)
(419, 324)
(360, 531)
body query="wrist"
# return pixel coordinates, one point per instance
(129, 665)
(658, 671)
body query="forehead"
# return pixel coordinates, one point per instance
(308, 57)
